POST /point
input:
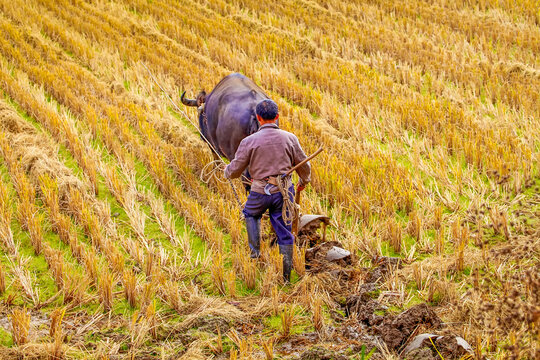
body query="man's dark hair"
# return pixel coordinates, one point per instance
(267, 109)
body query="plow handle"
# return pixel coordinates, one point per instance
(297, 197)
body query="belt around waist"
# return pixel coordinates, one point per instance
(273, 179)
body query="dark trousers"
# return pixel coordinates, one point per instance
(257, 204)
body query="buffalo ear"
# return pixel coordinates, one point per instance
(201, 98)
(254, 124)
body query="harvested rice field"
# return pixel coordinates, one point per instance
(117, 241)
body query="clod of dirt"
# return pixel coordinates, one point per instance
(317, 260)
(355, 331)
(421, 354)
(364, 306)
(396, 330)
(383, 265)
(449, 346)
(320, 353)
(309, 239)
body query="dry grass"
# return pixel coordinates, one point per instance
(91, 266)
(394, 235)
(57, 315)
(137, 217)
(75, 288)
(166, 223)
(151, 319)
(269, 279)
(243, 344)
(105, 287)
(22, 274)
(231, 283)
(415, 225)
(55, 261)
(287, 319)
(275, 263)
(20, 324)
(440, 242)
(218, 274)
(150, 263)
(2, 280)
(130, 288)
(249, 272)
(36, 231)
(276, 301)
(173, 296)
(6, 235)
(316, 310)
(198, 307)
(26, 192)
(299, 260)
(148, 293)
(268, 347)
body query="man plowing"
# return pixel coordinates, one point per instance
(268, 154)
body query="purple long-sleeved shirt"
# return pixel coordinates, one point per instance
(268, 152)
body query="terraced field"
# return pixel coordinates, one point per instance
(116, 246)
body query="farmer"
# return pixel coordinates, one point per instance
(269, 153)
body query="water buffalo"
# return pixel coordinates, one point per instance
(227, 114)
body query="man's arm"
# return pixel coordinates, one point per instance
(240, 161)
(304, 171)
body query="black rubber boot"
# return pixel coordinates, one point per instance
(253, 227)
(287, 252)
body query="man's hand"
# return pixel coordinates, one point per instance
(300, 187)
(226, 173)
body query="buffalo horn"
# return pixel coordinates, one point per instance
(188, 102)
